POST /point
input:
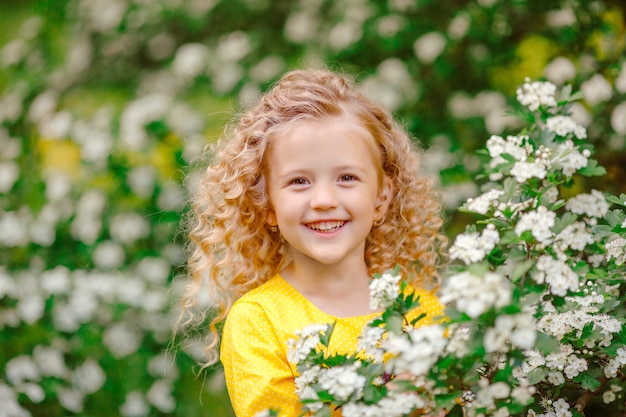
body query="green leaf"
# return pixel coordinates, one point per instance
(374, 393)
(588, 380)
(393, 321)
(520, 269)
(325, 337)
(562, 222)
(547, 344)
(418, 318)
(593, 169)
(614, 218)
(325, 411)
(621, 200)
(447, 401)
(537, 375)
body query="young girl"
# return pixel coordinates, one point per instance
(315, 190)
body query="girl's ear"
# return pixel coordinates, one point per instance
(384, 197)
(270, 218)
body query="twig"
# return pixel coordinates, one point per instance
(584, 399)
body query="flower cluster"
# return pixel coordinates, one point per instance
(358, 384)
(534, 307)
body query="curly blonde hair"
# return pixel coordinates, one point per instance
(231, 245)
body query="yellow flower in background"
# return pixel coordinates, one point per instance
(609, 41)
(532, 55)
(163, 157)
(59, 156)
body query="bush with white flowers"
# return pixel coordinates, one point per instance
(535, 296)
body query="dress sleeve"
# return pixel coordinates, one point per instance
(258, 375)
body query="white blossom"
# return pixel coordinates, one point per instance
(122, 340)
(129, 227)
(142, 180)
(416, 350)
(538, 222)
(524, 170)
(574, 366)
(564, 125)
(559, 70)
(472, 247)
(395, 404)
(516, 146)
(523, 392)
(89, 377)
(108, 255)
(305, 380)
(517, 329)
(614, 364)
(487, 393)
(616, 249)
(343, 382)
(9, 173)
(190, 60)
(31, 307)
(50, 361)
(608, 397)
(569, 158)
(369, 342)
(574, 236)
(384, 290)
(56, 281)
(484, 202)
(592, 205)
(135, 405)
(306, 340)
(20, 369)
(301, 26)
(618, 119)
(596, 89)
(536, 94)
(233, 46)
(429, 46)
(474, 295)
(71, 399)
(160, 395)
(14, 228)
(557, 274)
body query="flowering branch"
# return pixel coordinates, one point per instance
(535, 295)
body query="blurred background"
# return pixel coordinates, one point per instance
(105, 110)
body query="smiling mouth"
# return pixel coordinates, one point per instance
(326, 226)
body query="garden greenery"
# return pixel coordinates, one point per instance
(105, 109)
(535, 296)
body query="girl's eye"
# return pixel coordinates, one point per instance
(299, 181)
(347, 177)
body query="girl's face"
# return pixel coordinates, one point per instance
(325, 190)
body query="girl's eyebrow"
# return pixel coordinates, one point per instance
(303, 171)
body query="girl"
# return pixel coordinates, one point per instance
(314, 191)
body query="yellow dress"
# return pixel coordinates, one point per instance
(254, 344)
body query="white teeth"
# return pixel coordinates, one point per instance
(325, 226)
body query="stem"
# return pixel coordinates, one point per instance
(587, 396)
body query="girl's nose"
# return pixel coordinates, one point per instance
(323, 197)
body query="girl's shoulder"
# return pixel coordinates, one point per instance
(267, 291)
(271, 299)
